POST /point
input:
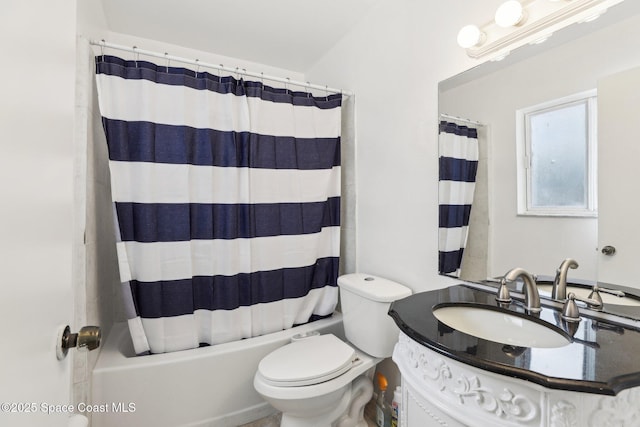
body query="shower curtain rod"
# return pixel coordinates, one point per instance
(220, 67)
(460, 119)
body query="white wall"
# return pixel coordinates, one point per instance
(393, 61)
(97, 277)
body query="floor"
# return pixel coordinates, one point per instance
(270, 421)
(274, 421)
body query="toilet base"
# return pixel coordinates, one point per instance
(347, 412)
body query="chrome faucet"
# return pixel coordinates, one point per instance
(531, 295)
(559, 290)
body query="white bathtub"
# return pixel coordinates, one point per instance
(208, 386)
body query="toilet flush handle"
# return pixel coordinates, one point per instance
(88, 338)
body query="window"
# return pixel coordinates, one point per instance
(556, 150)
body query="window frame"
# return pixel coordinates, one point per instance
(524, 157)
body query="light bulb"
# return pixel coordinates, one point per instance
(509, 14)
(470, 36)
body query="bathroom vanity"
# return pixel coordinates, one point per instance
(590, 376)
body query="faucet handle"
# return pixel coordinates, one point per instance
(591, 302)
(595, 294)
(503, 295)
(570, 311)
(615, 292)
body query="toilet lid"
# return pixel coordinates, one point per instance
(308, 361)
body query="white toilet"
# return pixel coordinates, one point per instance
(322, 381)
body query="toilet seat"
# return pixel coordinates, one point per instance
(308, 361)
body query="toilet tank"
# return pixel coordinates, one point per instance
(365, 301)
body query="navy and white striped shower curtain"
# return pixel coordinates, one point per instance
(458, 148)
(227, 198)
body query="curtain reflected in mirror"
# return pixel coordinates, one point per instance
(459, 198)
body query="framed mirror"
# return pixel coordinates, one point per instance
(581, 59)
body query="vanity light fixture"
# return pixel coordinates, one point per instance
(510, 14)
(521, 22)
(470, 36)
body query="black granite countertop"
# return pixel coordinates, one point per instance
(601, 358)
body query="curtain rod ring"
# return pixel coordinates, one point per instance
(239, 78)
(241, 72)
(136, 55)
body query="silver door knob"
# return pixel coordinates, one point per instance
(609, 250)
(88, 338)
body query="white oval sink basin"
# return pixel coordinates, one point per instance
(607, 299)
(499, 326)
